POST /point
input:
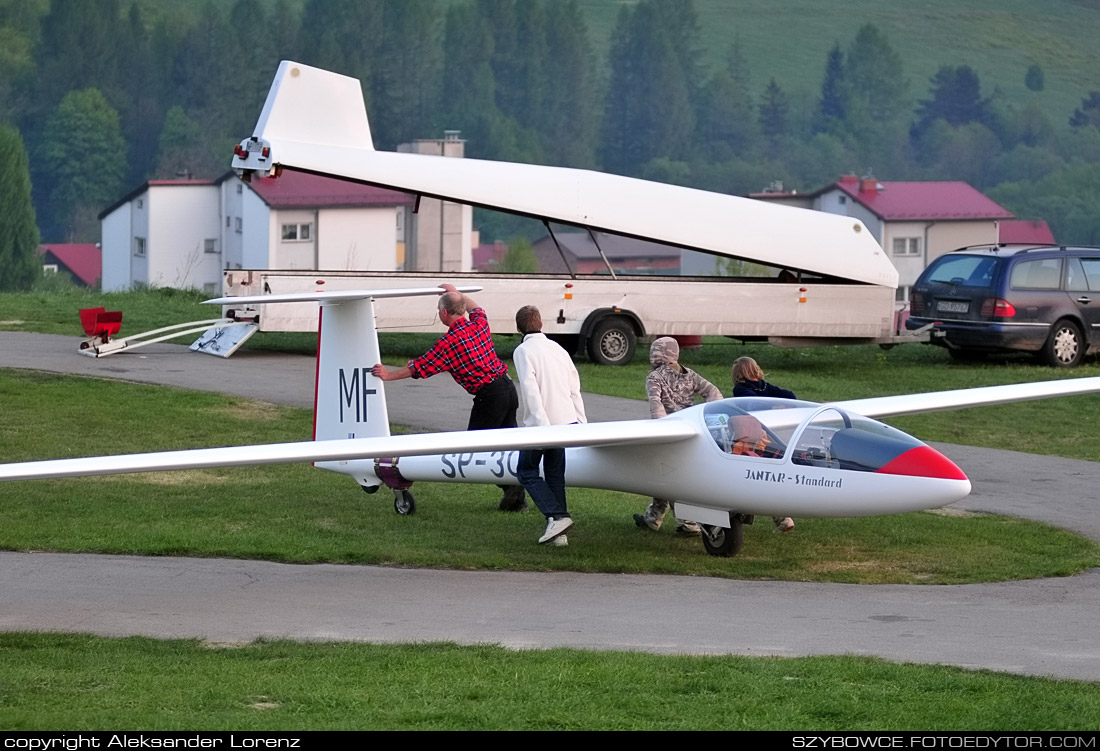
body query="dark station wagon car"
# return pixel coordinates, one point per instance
(1025, 298)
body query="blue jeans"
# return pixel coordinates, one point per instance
(549, 493)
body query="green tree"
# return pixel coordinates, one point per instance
(774, 114)
(84, 158)
(19, 33)
(956, 100)
(19, 263)
(406, 80)
(520, 258)
(1088, 114)
(832, 109)
(878, 100)
(1034, 78)
(649, 110)
(876, 77)
(568, 122)
(79, 49)
(141, 100)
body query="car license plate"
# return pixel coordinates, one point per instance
(950, 306)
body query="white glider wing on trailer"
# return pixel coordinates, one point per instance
(316, 121)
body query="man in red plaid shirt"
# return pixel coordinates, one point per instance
(466, 352)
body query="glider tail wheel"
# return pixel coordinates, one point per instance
(722, 541)
(403, 502)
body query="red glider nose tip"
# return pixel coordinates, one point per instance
(924, 461)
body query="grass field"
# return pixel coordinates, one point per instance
(56, 682)
(70, 683)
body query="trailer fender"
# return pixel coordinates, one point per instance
(610, 335)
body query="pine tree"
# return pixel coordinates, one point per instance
(832, 110)
(19, 263)
(84, 157)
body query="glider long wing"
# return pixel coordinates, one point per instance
(418, 444)
(911, 404)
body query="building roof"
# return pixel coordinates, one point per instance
(901, 201)
(1027, 231)
(911, 201)
(84, 260)
(144, 187)
(294, 189)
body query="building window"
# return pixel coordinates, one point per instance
(297, 232)
(208, 245)
(237, 224)
(140, 203)
(139, 247)
(907, 246)
(901, 294)
(227, 222)
(211, 288)
(49, 268)
(240, 188)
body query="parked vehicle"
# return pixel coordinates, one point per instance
(604, 316)
(1012, 298)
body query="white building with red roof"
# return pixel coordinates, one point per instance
(82, 262)
(914, 222)
(185, 233)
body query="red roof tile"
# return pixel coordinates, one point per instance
(84, 260)
(294, 189)
(900, 201)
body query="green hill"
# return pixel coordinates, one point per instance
(999, 39)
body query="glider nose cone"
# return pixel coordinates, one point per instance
(924, 461)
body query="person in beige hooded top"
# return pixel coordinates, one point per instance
(671, 387)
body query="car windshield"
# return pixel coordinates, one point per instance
(969, 271)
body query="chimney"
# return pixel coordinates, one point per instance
(869, 185)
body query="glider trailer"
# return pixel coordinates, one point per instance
(843, 288)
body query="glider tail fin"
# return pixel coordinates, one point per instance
(349, 402)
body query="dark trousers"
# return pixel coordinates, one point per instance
(495, 406)
(548, 490)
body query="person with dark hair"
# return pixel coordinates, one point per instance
(466, 352)
(550, 391)
(748, 380)
(671, 387)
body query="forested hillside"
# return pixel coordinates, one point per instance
(726, 95)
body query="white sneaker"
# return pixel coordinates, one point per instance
(555, 527)
(558, 542)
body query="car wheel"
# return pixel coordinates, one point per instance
(612, 342)
(1065, 348)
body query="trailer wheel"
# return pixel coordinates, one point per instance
(612, 342)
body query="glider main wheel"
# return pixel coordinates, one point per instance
(722, 541)
(403, 502)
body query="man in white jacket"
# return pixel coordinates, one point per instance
(550, 394)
